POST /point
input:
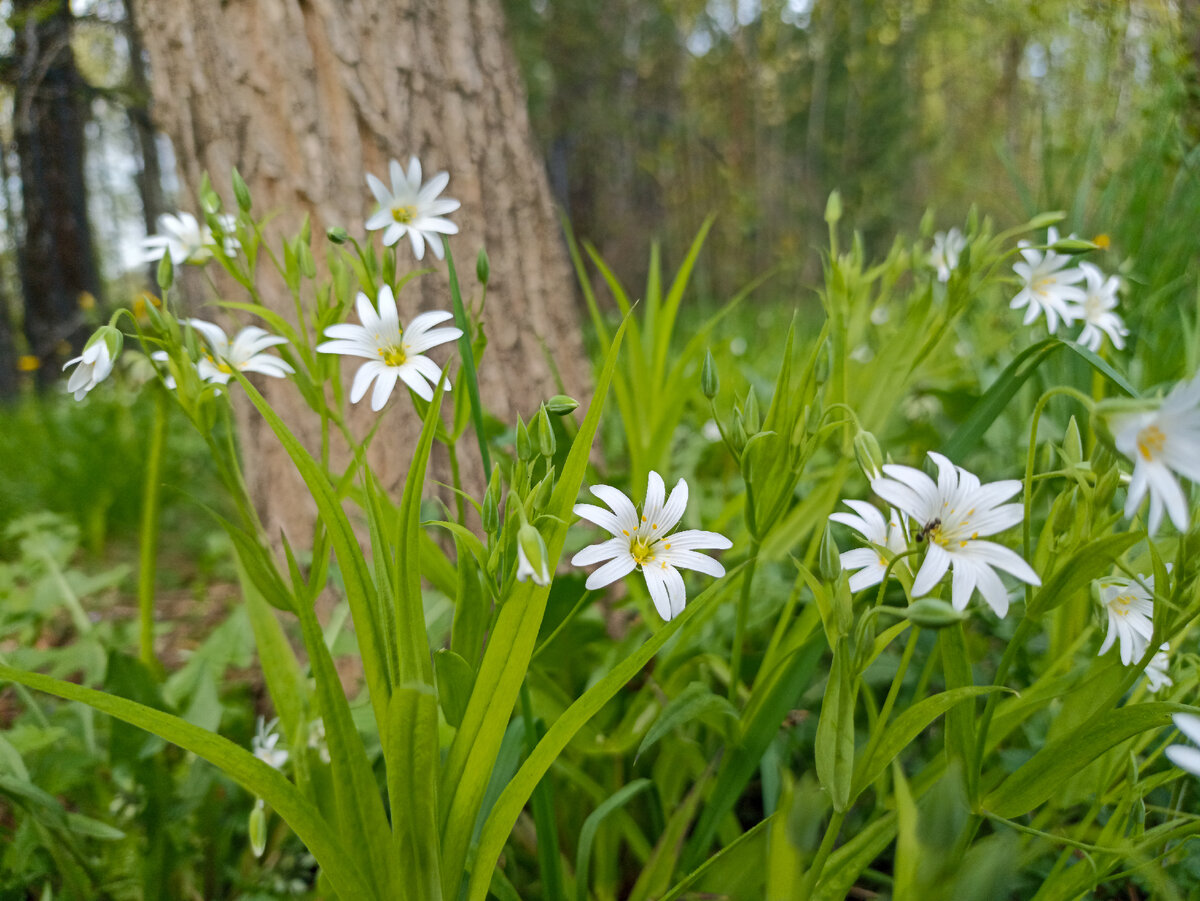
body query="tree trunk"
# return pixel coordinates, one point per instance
(305, 97)
(56, 257)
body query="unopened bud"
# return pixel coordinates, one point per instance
(933, 613)
(1062, 512)
(166, 272)
(545, 434)
(541, 491)
(868, 454)
(751, 418)
(210, 202)
(833, 208)
(241, 193)
(337, 235)
(1072, 444)
(306, 230)
(830, 560)
(737, 434)
(258, 829)
(491, 503)
(561, 405)
(1073, 246)
(524, 446)
(531, 556)
(710, 382)
(1106, 485)
(483, 268)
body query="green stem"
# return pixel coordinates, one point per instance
(813, 874)
(148, 540)
(468, 361)
(739, 632)
(542, 802)
(890, 701)
(456, 481)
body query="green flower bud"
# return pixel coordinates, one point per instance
(338, 235)
(833, 207)
(491, 503)
(1106, 485)
(308, 266)
(210, 202)
(241, 193)
(737, 434)
(933, 613)
(545, 434)
(524, 446)
(483, 268)
(1062, 512)
(306, 230)
(258, 829)
(868, 454)
(531, 556)
(1072, 444)
(710, 382)
(1073, 246)
(166, 273)
(561, 405)
(830, 561)
(751, 419)
(541, 491)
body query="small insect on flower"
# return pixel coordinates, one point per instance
(953, 512)
(411, 208)
(644, 541)
(391, 352)
(1161, 442)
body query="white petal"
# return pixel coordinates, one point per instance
(1184, 757)
(656, 583)
(605, 550)
(614, 569)
(676, 592)
(412, 377)
(1188, 724)
(363, 378)
(672, 511)
(936, 562)
(697, 539)
(620, 504)
(601, 517)
(690, 560)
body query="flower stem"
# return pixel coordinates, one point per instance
(739, 631)
(468, 361)
(813, 874)
(148, 540)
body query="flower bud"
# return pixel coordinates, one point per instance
(868, 454)
(166, 273)
(531, 556)
(337, 235)
(545, 434)
(933, 613)
(1062, 512)
(751, 419)
(524, 446)
(491, 503)
(1106, 485)
(1072, 444)
(541, 491)
(830, 560)
(561, 405)
(833, 207)
(737, 434)
(306, 230)
(258, 829)
(308, 266)
(710, 382)
(241, 193)
(483, 268)
(1073, 246)
(210, 202)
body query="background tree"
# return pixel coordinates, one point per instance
(306, 97)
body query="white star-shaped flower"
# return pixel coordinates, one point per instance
(1184, 756)
(1156, 669)
(1162, 442)
(391, 353)
(1048, 287)
(264, 742)
(1130, 609)
(871, 562)
(410, 208)
(1097, 310)
(94, 366)
(952, 514)
(643, 541)
(186, 240)
(946, 249)
(245, 354)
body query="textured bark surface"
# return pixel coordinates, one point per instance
(305, 97)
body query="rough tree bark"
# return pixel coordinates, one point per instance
(304, 97)
(56, 257)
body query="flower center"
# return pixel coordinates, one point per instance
(224, 367)
(403, 214)
(1122, 603)
(641, 551)
(1043, 284)
(1150, 441)
(393, 355)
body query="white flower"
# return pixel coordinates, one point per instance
(1048, 288)
(944, 256)
(1161, 442)
(1097, 310)
(245, 354)
(643, 542)
(264, 742)
(1130, 610)
(531, 556)
(316, 739)
(412, 208)
(871, 562)
(1156, 669)
(952, 514)
(95, 363)
(1184, 756)
(161, 356)
(391, 353)
(186, 240)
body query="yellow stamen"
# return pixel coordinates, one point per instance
(403, 214)
(393, 356)
(641, 552)
(1150, 441)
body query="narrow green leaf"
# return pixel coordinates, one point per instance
(411, 749)
(665, 325)
(960, 721)
(1091, 561)
(834, 749)
(588, 833)
(1044, 773)
(341, 863)
(1103, 367)
(754, 835)
(655, 877)
(908, 845)
(697, 701)
(455, 679)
